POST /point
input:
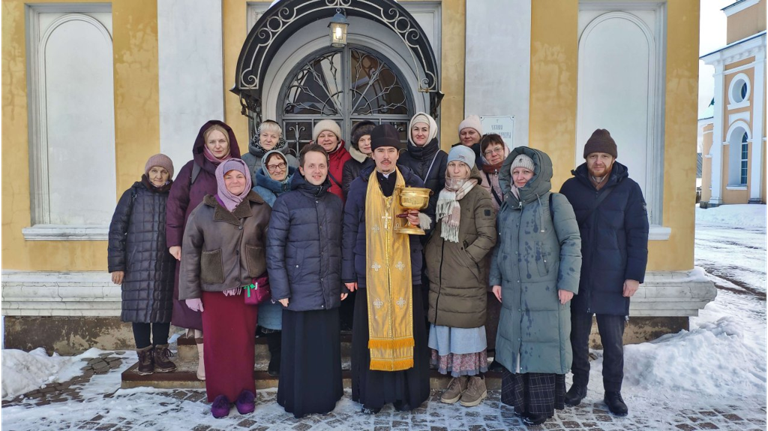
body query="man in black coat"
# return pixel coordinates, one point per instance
(613, 221)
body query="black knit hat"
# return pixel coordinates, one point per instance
(361, 129)
(601, 142)
(385, 135)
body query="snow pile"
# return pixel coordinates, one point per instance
(715, 359)
(747, 215)
(24, 372)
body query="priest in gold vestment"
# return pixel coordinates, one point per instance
(390, 357)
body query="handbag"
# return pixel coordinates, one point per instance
(258, 291)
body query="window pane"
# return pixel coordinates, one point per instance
(317, 87)
(374, 87)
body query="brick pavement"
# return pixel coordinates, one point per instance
(188, 409)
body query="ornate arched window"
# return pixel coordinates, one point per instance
(345, 85)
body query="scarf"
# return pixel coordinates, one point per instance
(228, 200)
(388, 281)
(515, 191)
(211, 158)
(493, 169)
(153, 188)
(448, 207)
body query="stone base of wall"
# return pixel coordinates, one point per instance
(642, 329)
(67, 335)
(74, 335)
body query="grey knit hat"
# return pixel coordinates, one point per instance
(462, 153)
(522, 161)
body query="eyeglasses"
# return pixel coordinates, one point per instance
(498, 150)
(277, 167)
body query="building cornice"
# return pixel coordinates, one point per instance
(739, 50)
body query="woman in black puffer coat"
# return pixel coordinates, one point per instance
(140, 261)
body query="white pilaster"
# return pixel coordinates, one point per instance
(717, 138)
(758, 162)
(498, 62)
(191, 71)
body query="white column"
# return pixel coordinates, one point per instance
(717, 138)
(497, 73)
(758, 96)
(191, 70)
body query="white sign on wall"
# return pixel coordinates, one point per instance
(502, 125)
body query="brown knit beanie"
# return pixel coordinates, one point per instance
(361, 129)
(160, 160)
(601, 142)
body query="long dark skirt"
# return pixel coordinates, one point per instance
(407, 389)
(533, 393)
(310, 365)
(229, 325)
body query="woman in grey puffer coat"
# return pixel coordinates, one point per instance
(535, 271)
(139, 260)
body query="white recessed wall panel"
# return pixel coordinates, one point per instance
(191, 72)
(79, 120)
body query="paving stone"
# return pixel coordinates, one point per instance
(685, 427)
(708, 426)
(246, 423)
(708, 413)
(732, 417)
(571, 425)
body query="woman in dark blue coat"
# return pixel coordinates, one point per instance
(138, 259)
(304, 265)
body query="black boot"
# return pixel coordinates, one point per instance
(574, 395)
(615, 403)
(532, 419)
(274, 343)
(146, 362)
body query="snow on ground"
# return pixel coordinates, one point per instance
(730, 246)
(740, 216)
(24, 372)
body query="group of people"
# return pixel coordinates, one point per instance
(321, 233)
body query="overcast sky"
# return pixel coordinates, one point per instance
(711, 37)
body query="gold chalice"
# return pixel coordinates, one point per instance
(411, 198)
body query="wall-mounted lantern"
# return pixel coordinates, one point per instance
(338, 26)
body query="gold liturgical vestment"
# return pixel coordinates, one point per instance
(388, 281)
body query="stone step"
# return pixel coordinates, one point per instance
(184, 378)
(186, 365)
(187, 350)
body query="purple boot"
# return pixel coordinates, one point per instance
(220, 407)
(245, 402)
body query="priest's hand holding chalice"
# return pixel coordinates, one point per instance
(411, 200)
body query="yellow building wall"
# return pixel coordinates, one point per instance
(706, 163)
(554, 74)
(746, 23)
(451, 79)
(554, 71)
(137, 130)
